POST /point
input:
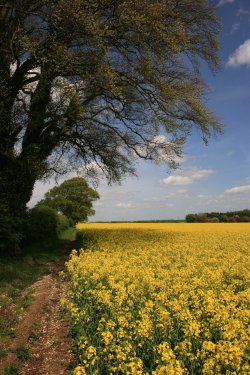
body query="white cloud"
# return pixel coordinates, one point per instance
(241, 55)
(170, 205)
(124, 205)
(223, 2)
(195, 174)
(243, 12)
(238, 189)
(177, 180)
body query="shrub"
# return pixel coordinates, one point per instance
(224, 219)
(191, 218)
(10, 231)
(215, 220)
(42, 224)
(62, 223)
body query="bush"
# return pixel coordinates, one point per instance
(62, 223)
(10, 231)
(224, 219)
(42, 224)
(215, 220)
(191, 218)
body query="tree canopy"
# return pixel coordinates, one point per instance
(100, 82)
(73, 198)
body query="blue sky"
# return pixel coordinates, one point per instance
(211, 178)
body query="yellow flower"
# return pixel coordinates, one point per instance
(79, 370)
(164, 294)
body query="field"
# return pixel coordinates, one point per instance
(161, 299)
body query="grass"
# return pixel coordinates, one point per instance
(11, 369)
(34, 332)
(47, 309)
(7, 325)
(3, 353)
(22, 353)
(20, 272)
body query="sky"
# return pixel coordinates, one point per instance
(215, 177)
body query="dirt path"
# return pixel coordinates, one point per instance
(43, 330)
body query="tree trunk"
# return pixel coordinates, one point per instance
(16, 186)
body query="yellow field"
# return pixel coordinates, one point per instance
(161, 299)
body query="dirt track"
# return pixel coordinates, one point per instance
(44, 330)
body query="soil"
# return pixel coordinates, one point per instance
(44, 330)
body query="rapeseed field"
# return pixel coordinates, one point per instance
(161, 299)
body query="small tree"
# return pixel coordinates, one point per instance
(73, 198)
(224, 219)
(191, 218)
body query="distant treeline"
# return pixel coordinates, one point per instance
(143, 221)
(220, 217)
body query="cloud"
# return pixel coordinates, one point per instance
(241, 56)
(170, 205)
(223, 2)
(124, 205)
(195, 174)
(177, 180)
(243, 12)
(235, 27)
(160, 149)
(238, 189)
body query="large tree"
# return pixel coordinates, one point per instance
(100, 81)
(73, 198)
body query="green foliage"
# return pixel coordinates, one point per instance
(25, 301)
(190, 218)
(62, 223)
(224, 219)
(10, 230)
(42, 224)
(220, 217)
(3, 353)
(11, 369)
(34, 332)
(73, 198)
(6, 326)
(22, 353)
